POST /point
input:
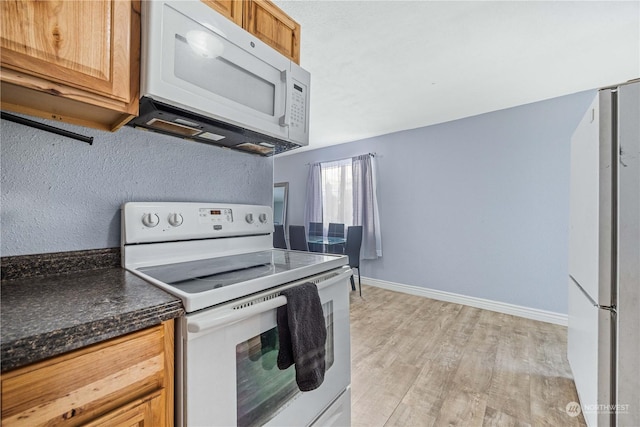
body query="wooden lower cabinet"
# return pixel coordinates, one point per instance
(140, 413)
(126, 381)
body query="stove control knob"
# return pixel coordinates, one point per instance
(249, 218)
(175, 219)
(263, 218)
(150, 220)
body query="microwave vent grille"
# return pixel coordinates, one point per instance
(170, 120)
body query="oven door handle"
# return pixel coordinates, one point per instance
(196, 326)
(236, 316)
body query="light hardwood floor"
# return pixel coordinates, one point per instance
(422, 362)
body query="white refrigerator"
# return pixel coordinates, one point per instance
(604, 258)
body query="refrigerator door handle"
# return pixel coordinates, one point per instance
(611, 308)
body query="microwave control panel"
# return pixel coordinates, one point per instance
(298, 126)
(298, 106)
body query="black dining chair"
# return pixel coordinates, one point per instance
(352, 249)
(298, 238)
(279, 240)
(315, 230)
(336, 230)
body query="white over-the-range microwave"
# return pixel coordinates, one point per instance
(204, 78)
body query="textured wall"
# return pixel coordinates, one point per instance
(477, 206)
(59, 194)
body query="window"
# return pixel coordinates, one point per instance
(344, 191)
(337, 193)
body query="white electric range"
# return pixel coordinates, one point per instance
(219, 259)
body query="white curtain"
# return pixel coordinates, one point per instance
(337, 200)
(365, 205)
(313, 203)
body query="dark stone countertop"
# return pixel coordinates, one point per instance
(45, 316)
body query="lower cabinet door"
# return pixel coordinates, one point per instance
(139, 413)
(83, 385)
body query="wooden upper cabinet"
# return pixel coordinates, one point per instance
(74, 61)
(264, 20)
(274, 27)
(232, 9)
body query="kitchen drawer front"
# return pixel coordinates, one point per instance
(79, 386)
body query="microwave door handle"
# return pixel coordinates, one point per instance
(285, 120)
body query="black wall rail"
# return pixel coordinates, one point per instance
(45, 127)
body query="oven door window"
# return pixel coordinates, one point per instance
(263, 389)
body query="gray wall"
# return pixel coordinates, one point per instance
(59, 194)
(477, 206)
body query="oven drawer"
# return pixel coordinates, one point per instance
(338, 414)
(77, 387)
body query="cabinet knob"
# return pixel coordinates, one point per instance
(69, 415)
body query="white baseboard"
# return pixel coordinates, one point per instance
(500, 307)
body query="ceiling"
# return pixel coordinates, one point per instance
(383, 66)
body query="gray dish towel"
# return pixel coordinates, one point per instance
(302, 334)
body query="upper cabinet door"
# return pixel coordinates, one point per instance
(82, 57)
(274, 27)
(232, 9)
(78, 43)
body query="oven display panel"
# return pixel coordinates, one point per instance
(215, 216)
